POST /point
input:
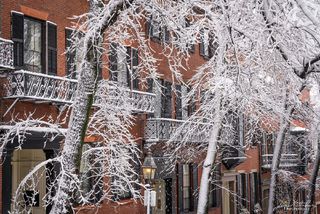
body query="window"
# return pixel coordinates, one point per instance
(215, 188)
(181, 106)
(52, 48)
(118, 194)
(255, 191)
(265, 199)
(17, 38)
(35, 44)
(191, 105)
(156, 31)
(132, 68)
(185, 23)
(91, 179)
(32, 45)
(113, 62)
(186, 187)
(204, 50)
(268, 143)
(208, 44)
(235, 119)
(150, 85)
(120, 188)
(242, 191)
(191, 46)
(84, 170)
(166, 100)
(178, 104)
(70, 55)
(124, 63)
(229, 198)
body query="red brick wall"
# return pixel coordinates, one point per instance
(57, 11)
(126, 206)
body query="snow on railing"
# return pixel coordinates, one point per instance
(37, 86)
(118, 95)
(290, 157)
(162, 129)
(6, 54)
(41, 87)
(286, 160)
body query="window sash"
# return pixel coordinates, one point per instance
(35, 44)
(70, 55)
(186, 187)
(32, 45)
(156, 29)
(178, 104)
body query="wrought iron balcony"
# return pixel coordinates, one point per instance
(232, 155)
(286, 160)
(40, 87)
(137, 101)
(293, 154)
(142, 102)
(292, 158)
(45, 88)
(163, 129)
(6, 54)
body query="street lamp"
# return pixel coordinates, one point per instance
(149, 167)
(149, 170)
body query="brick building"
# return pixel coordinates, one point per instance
(34, 36)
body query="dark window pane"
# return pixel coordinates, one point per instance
(70, 55)
(113, 65)
(135, 63)
(52, 49)
(178, 103)
(166, 100)
(129, 67)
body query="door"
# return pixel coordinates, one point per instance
(265, 200)
(23, 162)
(168, 183)
(228, 197)
(160, 189)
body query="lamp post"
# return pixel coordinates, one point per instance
(149, 169)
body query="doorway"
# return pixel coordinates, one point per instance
(163, 190)
(23, 161)
(228, 197)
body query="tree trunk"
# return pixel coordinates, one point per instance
(73, 143)
(276, 162)
(208, 162)
(284, 127)
(87, 83)
(312, 183)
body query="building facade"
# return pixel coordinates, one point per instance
(35, 78)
